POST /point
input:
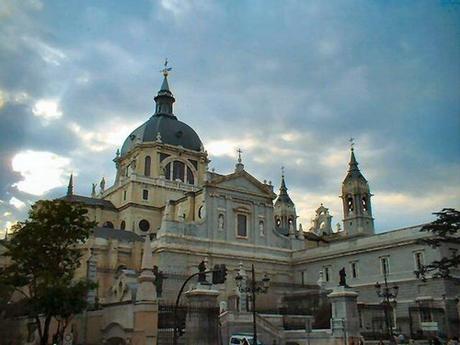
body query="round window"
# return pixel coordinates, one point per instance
(201, 212)
(144, 225)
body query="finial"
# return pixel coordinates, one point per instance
(282, 172)
(117, 154)
(352, 143)
(70, 186)
(239, 154)
(166, 69)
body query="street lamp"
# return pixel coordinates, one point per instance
(388, 295)
(253, 289)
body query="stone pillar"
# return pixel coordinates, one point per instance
(345, 318)
(202, 316)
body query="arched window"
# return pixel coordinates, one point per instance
(278, 222)
(350, 203)
(108, 225)
(147, 163)
(122, 225)
(364, 203)
(178, 171)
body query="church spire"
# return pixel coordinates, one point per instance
(284, 196)
(353, 169)
(165, 99)
(70, 186)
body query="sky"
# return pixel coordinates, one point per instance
(288, 82)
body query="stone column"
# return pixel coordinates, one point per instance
(202, 316)
(345, 318)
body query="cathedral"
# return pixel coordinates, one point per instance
(167, 212)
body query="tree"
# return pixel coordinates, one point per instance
(445, 230)
(45, 251)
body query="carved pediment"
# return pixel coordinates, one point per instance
(243, 182)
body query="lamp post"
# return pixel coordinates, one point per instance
(253, 289)
(388, 295)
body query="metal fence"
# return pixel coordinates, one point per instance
(168, 319)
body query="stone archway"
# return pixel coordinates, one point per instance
(115, 341)
(114, 334)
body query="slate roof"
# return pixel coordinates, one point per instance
(171, 130)
(89, 201)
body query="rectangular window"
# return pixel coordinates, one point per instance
(354, 269)
(242, 230)
(327, 273)
(418, 257)
(124, 195)
(302, 276)
(385, 265)
(145, 194)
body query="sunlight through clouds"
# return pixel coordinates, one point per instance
(228, 147)
(47, 109)
(40, 171)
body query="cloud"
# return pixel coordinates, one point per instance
(40, 171)
(48, 53)
(47, 109)
(109, 135)
(17, 203)
(288, 82)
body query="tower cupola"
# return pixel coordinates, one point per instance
(164, 99)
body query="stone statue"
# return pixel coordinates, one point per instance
(93, 189)
(159, 277)
(202, 269)
(343, 280)
(220, 222)
(102, 185)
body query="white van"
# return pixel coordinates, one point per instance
(237, 339)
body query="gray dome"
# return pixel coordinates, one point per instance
(172, 131)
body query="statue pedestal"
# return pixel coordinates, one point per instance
(202, 316)
(345, 318)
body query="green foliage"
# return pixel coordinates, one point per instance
(45, 252)
(445, 230)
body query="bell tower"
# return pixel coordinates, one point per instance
(284, 211)
(356, 200)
